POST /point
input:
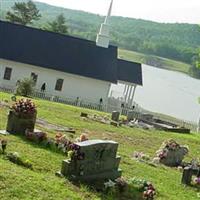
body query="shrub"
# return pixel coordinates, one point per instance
(25, 87)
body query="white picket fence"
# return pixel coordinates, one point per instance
(65, 100)
(103, 107)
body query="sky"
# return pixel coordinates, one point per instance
(168, 11)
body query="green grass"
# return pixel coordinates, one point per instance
(165, 63)
(18, 183)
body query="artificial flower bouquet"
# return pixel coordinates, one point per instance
(24, 106)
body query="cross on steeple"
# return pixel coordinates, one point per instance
(103, 35)
(109, 12)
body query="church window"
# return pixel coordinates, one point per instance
(7, 73)
(34, 77)
(59, 84)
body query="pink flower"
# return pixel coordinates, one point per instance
(197, 180)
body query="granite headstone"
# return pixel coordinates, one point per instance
(100, 162)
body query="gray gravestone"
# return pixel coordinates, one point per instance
(115, 116)
(84, 114)
(188, 172)
(100, 162)
(18, 122)
(174, 157)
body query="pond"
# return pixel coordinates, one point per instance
(168, 92)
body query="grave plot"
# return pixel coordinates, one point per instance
(92, 160)
(191, 174)
(114, 120)
(44, 124)
(171, 153)
(22, 116)
(148, 121)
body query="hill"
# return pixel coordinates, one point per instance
(155, 61)
(179, 42)
(41, 183)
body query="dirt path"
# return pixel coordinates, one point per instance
(44, 124)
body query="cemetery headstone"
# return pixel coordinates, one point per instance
(171, 153)
(22, 116)
(188, 172)
(190, 169)
(84, 114)
(92, 160)
(115, 116)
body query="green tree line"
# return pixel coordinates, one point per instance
(175, 41)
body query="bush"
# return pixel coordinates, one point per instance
(25, 87)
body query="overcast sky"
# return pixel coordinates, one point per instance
(157, 10)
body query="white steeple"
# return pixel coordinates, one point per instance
(103, 35)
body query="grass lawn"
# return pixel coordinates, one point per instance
(166, 63)
(18, 183)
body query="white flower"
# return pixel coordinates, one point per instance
(109, 184)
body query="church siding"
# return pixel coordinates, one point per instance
(74, 86)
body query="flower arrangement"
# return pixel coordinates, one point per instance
(171, 145)
(149, 191)
(142, 186)
(118, 185)
(109, 184)
(146, 187)
(75, 153)
(61, 142)
(162, 153)
(61, 139)
(131, 188)
(196, 181)
(25, 106)
(141, 156)
(83, 137)
(35, 136)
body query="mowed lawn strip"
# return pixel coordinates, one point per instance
(19, 183)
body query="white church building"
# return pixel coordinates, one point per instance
(63, 65)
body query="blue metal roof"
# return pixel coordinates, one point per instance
(129, 72)
(56, 51)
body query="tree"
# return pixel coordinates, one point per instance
(58, 25)
(25, 87)
(198, 61)
(194, 70)
(23, 13)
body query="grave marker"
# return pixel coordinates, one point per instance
(115, 116)
(99, 162)
(188, 172)
(22, 116)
